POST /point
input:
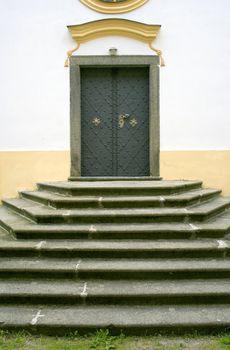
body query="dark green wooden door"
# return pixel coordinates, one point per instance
(115, 121)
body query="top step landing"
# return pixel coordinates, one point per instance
(120, 186)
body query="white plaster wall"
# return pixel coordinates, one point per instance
(34, 85)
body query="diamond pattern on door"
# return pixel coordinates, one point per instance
(96, 141)
(110, 148)
(133, 141)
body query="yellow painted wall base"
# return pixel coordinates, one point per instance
(212, 167)
(22, 170)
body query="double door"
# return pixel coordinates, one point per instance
(115, 121)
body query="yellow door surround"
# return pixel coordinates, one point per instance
(82, 33)
(113, 6)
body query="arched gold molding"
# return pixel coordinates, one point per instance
(113, 7)
(82, 33)
(92, 30)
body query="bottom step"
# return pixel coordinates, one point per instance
(130, 320)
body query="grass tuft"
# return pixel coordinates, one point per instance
(225, 340)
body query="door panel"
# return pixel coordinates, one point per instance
(133, 137)
(110, 148)
(96, 122)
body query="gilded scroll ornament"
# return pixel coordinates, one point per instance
(147, 33)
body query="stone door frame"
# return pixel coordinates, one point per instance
(78, 62)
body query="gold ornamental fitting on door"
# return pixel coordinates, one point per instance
(96, 121)
(133, 122)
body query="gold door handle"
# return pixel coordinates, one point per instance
(121, 119)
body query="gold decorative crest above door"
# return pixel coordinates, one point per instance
(82, 33)
(113, 6)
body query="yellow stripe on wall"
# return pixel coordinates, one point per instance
(21, 170)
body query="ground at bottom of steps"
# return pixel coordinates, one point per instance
(103, 340)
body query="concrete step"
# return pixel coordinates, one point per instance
(137, 249)
(101, 188)
(43, 214)
(96, 292)
(4, 235)
(65, 202)
(128, 319)
(114, 268)
(22, 228)
(154, 268)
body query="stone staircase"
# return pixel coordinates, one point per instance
(135, 255)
